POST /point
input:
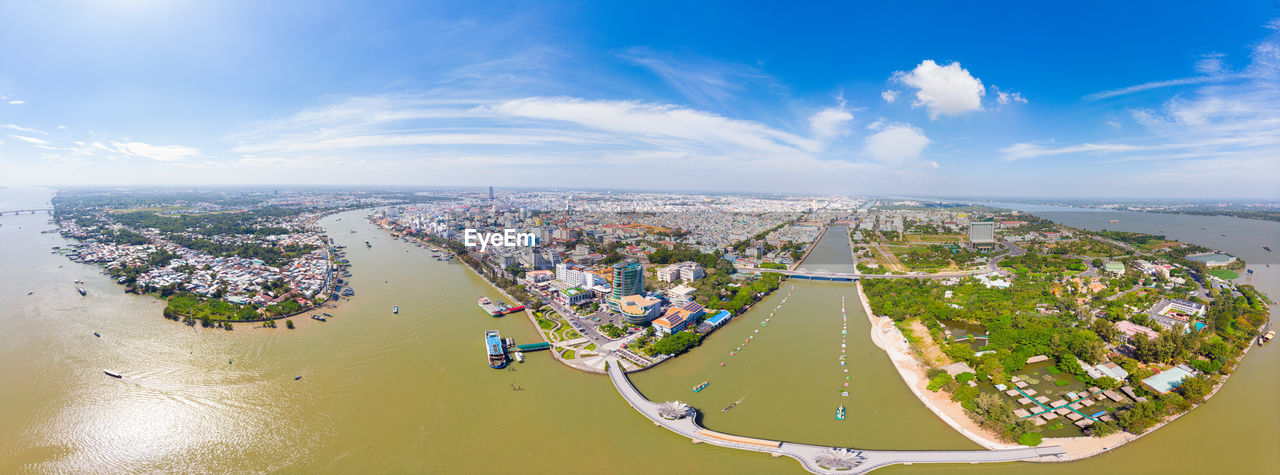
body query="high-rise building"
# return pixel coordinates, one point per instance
(982, 235)
(628, 279)
(490, 193)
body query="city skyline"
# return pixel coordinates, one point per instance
(1013, 102)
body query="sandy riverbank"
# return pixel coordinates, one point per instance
(886, 336)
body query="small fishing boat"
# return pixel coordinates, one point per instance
(112, 374)
(81, 290)
(395, 309)
(520, 356)
(1266, 248)
(726, 409)
(97, 334)
(840, 413)
(295, 378)
(701, 386)
(30, 292)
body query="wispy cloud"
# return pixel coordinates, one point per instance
(702, 81)
(16, 102)
(1157, 85)
(163, 153)
(22, 129)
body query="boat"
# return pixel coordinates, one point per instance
(520, 356)
(494, 348)
(840, 413)
(295, 378)
(99, 335)
(81, 290)
(1266, 248)
(701, 386)
(726, 409)
(112, 374)
(1114, 221)
(30, 292)
(366, 244)
(395, 309)
(317, 317)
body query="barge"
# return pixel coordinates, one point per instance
(496, 308)
(495, 349)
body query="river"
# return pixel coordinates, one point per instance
(412, 393)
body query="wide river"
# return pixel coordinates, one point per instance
(412, 393)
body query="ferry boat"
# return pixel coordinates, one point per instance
(701, 386)
(81, 290)
(840, 413)
(493, 346)
(112, 374)
(395, 309)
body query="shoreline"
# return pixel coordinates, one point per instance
(913, 374)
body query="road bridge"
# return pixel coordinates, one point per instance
(20, 211)
(812, 457)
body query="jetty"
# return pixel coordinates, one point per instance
(814, 458)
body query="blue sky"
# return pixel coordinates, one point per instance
(1153, 99)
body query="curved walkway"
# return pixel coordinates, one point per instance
(808, 454)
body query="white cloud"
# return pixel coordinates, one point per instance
(1157, 85)
(831, 122)
(31, 140)
(1210, 64)
(16, 102)
(895, 144)
(163, 153)
(20, 128)
(943, 90)
(1005, 98)
(889, 95)
(701, 80)
(660, 123)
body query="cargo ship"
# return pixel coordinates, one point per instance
(497, 308)
(496, 350)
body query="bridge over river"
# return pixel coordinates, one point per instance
(850, 277)
(812, 457)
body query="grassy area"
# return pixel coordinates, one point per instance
(590, 347)
(568, 354)
(545, 324)
(1225, 274)
(935, 238)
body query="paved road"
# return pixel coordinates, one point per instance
(808, 455)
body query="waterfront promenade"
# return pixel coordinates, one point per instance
(862, 461)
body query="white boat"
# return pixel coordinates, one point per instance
(520, 356)
(395, 309)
